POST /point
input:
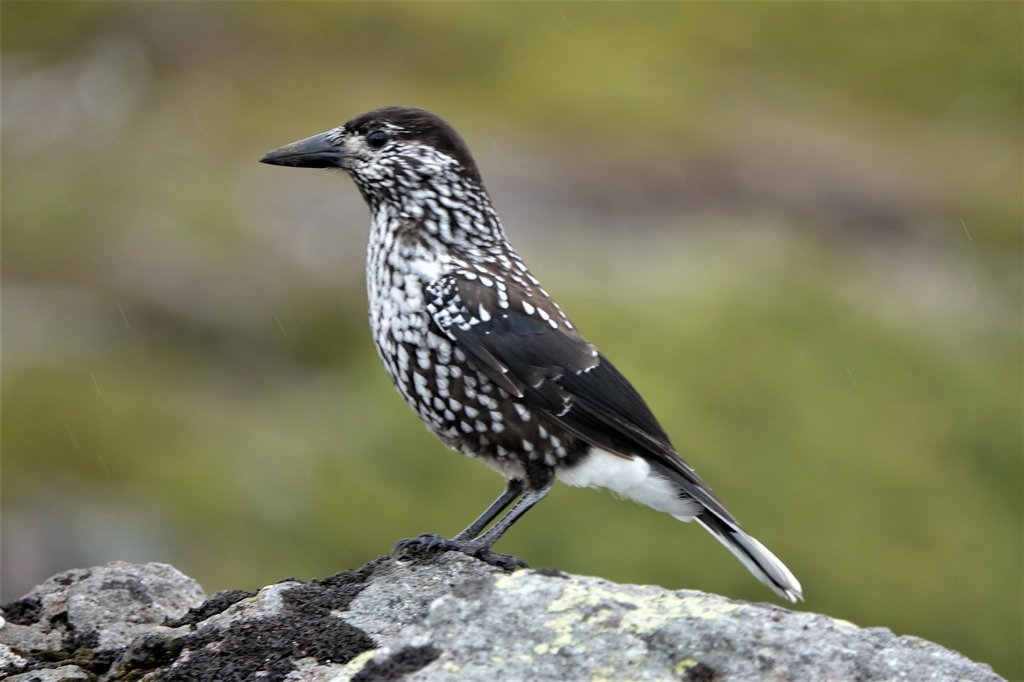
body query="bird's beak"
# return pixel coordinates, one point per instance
(313, 152)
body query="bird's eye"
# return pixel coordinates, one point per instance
(377, 139)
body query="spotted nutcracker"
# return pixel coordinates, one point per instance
(483, 354)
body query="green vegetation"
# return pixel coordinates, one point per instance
(796, 227)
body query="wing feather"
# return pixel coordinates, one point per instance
(539, 358)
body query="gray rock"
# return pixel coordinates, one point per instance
(442, 618)
(88, 618)
(531, 625)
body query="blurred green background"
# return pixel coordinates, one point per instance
(796, 227)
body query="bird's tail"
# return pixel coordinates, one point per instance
(765, 566)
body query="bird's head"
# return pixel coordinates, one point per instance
(386, 151)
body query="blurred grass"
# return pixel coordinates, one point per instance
(803, 244)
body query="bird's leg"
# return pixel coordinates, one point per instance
(529, 498)
(514, 489)
(470, 541)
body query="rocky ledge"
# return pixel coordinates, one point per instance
(443, 618)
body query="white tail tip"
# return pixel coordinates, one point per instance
(758, 559)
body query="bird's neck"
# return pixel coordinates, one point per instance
(455, 219)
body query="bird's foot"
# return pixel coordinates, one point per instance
(424, 543)
(432, 543)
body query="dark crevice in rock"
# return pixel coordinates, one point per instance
(700, 672)
(24, 611)
(217, 603)
(269, 645)
(150, 652)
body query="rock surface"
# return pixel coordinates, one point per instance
(441, 618)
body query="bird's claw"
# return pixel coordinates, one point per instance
(505, 562)
(432, 543)
(424, 543)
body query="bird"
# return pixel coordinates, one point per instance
(483, 354)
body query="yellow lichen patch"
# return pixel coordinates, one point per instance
(563, 627)
(355, 665)
(575, 594)
(510, 580)
(613, 607)
(680, 668)
(648, 612)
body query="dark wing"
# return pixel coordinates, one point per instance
(523, 342)
(518, 351)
